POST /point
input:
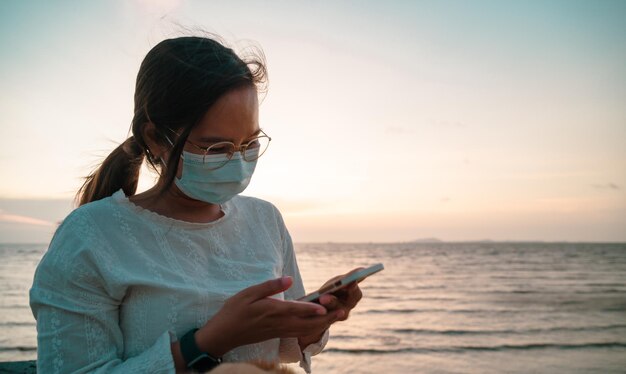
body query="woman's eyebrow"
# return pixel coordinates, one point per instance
(217, 139)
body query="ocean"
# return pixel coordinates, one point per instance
(477, 307)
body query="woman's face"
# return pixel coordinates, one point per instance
(234, 117)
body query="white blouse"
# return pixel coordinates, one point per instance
(120, 283)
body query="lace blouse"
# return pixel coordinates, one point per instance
(120, 283)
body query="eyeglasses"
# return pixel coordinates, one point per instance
(219, 154)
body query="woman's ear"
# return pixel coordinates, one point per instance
(153, 141)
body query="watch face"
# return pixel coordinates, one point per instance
(194, 357)
(204, 362)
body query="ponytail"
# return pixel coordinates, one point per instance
(119, 170)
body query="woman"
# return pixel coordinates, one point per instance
(187, 273)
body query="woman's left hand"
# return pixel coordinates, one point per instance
(345, 299)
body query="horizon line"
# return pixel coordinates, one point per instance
(481, 241)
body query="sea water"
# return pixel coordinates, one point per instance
(436, 308)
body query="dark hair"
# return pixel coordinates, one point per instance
(178, 81)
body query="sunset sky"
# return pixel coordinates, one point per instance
(391, 120)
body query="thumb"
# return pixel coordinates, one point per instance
(265, 289)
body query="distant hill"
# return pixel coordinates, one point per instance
(427, 240)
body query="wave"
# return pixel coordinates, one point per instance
(5, 294)
(417, 298)
(440, 310)
(18, 324)
(605, 284)
(596, 292)
(18, 348)
(619, 308)
(14, 306)
(498, 332)
(346, 337)
(497, 348)
(397, 287)
(547, 292)
(393, 311)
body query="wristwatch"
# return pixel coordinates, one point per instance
(194, 357)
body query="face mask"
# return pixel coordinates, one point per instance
(214, 186)
(200, 181)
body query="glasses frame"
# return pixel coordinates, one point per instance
(241, 148)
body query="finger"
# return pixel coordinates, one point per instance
(288, 309)
(343, 316)
(355, 295)
(321, 322)
(344, 294)
(332, 280)
(296, 326)
(303, 308)
(329, 301)
(348, 297)
(339, 315)
(266, 289)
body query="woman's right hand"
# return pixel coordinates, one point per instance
(251, 316)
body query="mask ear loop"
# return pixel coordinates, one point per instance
(145, 109)
(172, 144)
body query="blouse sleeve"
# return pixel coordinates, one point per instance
(77, 315)
(289, 350)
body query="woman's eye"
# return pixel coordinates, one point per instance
(215, 150)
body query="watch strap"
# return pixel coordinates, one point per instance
(194, 357)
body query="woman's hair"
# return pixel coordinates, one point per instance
(178, 81)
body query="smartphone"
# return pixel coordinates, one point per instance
(343, 282)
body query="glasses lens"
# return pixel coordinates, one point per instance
(256, 148)
(218, 155)
(225, 148)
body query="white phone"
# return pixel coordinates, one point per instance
(343, 282)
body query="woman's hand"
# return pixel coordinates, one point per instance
(251, 316)
(343, 300)
(339, 302)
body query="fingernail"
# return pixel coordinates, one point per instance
(340, 314)
(285, 281)
(320, 311)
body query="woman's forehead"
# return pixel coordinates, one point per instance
(233, 117)
(216, 139)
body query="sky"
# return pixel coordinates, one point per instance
(391, 121)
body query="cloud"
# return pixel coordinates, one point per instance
(607, 186)
(547, 175)
(14, 218)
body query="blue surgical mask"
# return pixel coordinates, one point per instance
(201, 182)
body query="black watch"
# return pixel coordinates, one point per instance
(194, 357)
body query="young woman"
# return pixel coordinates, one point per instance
(188, 273)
